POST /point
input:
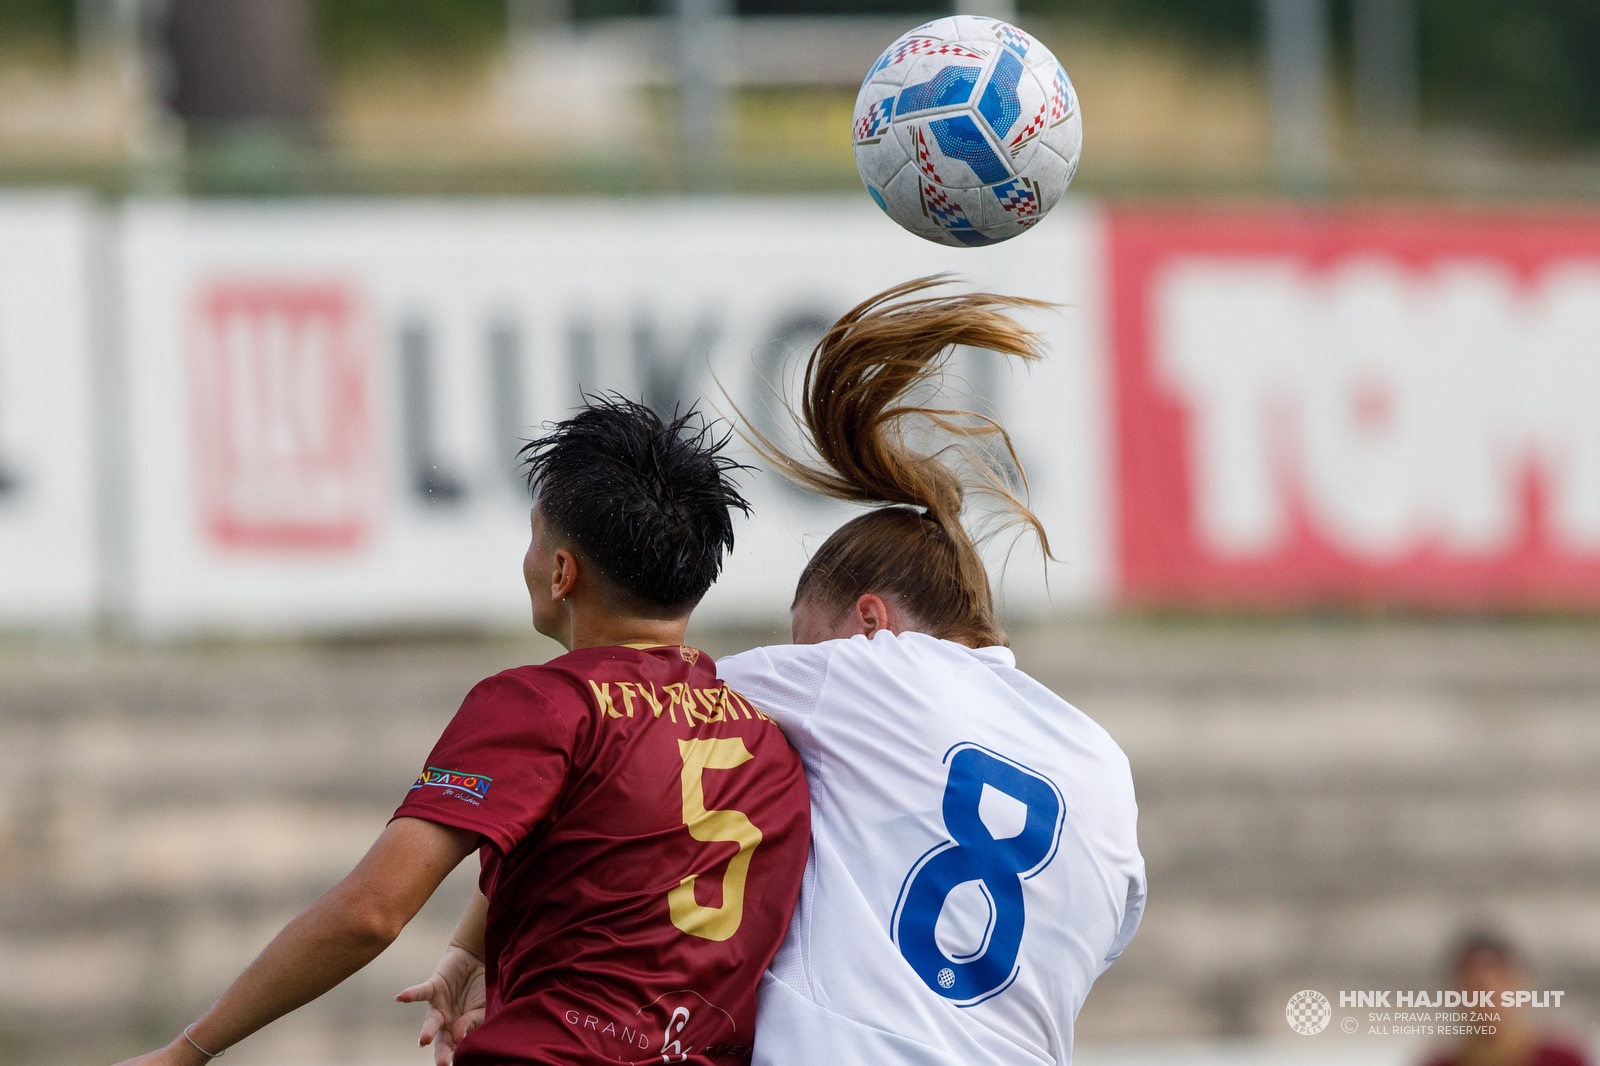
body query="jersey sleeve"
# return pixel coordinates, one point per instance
(1132, 914)
(499, 766)
(784, 681)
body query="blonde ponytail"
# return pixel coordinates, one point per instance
(856, 409)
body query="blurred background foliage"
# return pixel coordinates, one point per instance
(36, 21)
(1527, 71)
(1528, 68)
(357, 29)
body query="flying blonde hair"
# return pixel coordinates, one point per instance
(857, 411)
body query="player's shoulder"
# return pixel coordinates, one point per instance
(922, 660)
(548, 686)
(573, 666)
(1045, 709)
(926, 647)
(916, 655)
(784, 680)
(769, 658)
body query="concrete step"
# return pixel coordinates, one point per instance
(1323, 804)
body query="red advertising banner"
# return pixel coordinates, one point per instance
(1356, 407)
(280, 385)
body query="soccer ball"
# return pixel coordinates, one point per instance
(967, 131)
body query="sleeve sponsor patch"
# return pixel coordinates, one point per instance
(472, 784)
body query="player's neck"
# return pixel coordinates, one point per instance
(591, 627)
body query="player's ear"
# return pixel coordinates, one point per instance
(874, 614)
(563, 575)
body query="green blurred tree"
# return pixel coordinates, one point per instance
(1203, 22)
(1527, 68)
(590, 9)
(38, 21)
(1530, 68)
(364, 28)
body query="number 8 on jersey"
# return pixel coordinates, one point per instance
(999, 865)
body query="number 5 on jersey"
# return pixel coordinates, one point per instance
(713, 923)
(998, 864)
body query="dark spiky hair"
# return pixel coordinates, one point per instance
(647, 501)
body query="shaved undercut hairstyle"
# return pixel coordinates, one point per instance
(646, 501)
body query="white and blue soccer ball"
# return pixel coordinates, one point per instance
(967, 131)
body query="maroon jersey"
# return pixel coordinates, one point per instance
(645, 831)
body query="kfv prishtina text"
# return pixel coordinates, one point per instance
(699, 705)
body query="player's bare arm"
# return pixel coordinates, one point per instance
(348, 927)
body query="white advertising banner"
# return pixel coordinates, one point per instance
(48, 573)
(327, 400)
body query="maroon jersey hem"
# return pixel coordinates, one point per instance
(490, 834)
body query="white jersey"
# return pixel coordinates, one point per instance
(973, 868)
